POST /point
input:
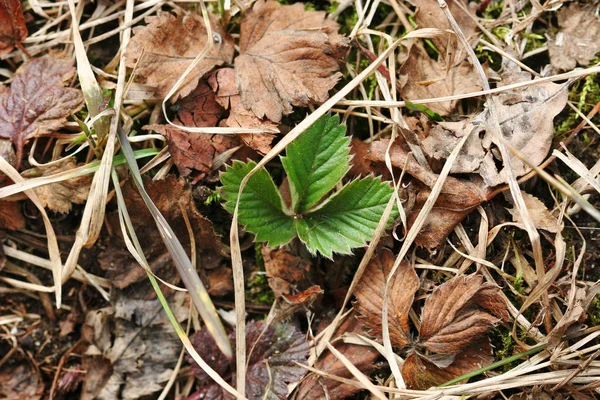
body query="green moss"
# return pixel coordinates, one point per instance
(257, 286)
(594, 311)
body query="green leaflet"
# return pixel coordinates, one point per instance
(315, 162)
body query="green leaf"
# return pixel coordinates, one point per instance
(261, 207)
(316, 161)
(347, 220)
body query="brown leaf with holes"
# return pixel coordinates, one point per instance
(11, 217)
(369, 296)
(37, 102)
(163, 49)
(578, 41)
(422, 77)
(540, 215)
(315, 386)
(224, 84)
(12, 25)
(288, 57)
(60, 196)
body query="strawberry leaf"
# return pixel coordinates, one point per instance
(261, 207)
(316, 162)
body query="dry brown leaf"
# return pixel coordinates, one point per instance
(369, 296)
(422, 77)
(575, 312)
(60, 196)
(20, 381)
(288, 57)
(578, 42)
(542, 218)
(11, 217)
(224, 84)
(362, 357)
(37, 102)
(12, 25)
(163, 49)
(199, 108)
(286, 272)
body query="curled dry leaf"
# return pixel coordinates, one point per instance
(369, 296)
(578, 41)
(542, 218)
(274, 353)
(224, 84)
(11, 217)
(12, 25)
(162, 50)
(60, 196)
(362, 357)
(37, 102)
(288, 57)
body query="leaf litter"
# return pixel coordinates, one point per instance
(444, 320)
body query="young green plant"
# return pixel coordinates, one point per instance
(315, 162)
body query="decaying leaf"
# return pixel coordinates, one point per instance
(163, 49)
(288, 57)
(362, 357)
(224, 84)
(578, 42)
(132, 350)
(369, 296)
(60, 196)
(12, 25)
(20, 381)
(37, 102)
(273, 354)
(11, 217)
(199, 108)
(285, 271)
(542, 218)
(123, 270)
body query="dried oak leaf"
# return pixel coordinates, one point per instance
(422, 77)
(272, 363)
(162, 50)
(542, 217)
(362, 357)
(12, 25)
(11, 217)
(224, 84)
(578, 42)
(285, 271)
(170, 196)
(20, 382)
(288, 57)
(37, 102)
(60, 196)
(369, 296)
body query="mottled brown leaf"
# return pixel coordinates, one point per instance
(19, 382)
(369, 296)
(163, 49)
(37, 102)
(12, 25)
(578, 41)
(288, 57)
(11, 217)
(224, 84)
(362, 357)
(542, 217)
(60, 196)
(421, 373)
(199, 108)
(285, 270)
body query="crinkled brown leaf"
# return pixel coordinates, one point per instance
(422, 77)
(452, 319)
(540, 215)
(170, 196)
(362, 357)
(20, 381)
(285, 271)
(224, 84)
(369, 296)
(578, 42)
(194, 153)
(12, 25)
(199, 108)
(162, 50)
(37, 102)
(288, 57)
(60, 196)
(272, 363)
(11, 217)
(421, 373)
